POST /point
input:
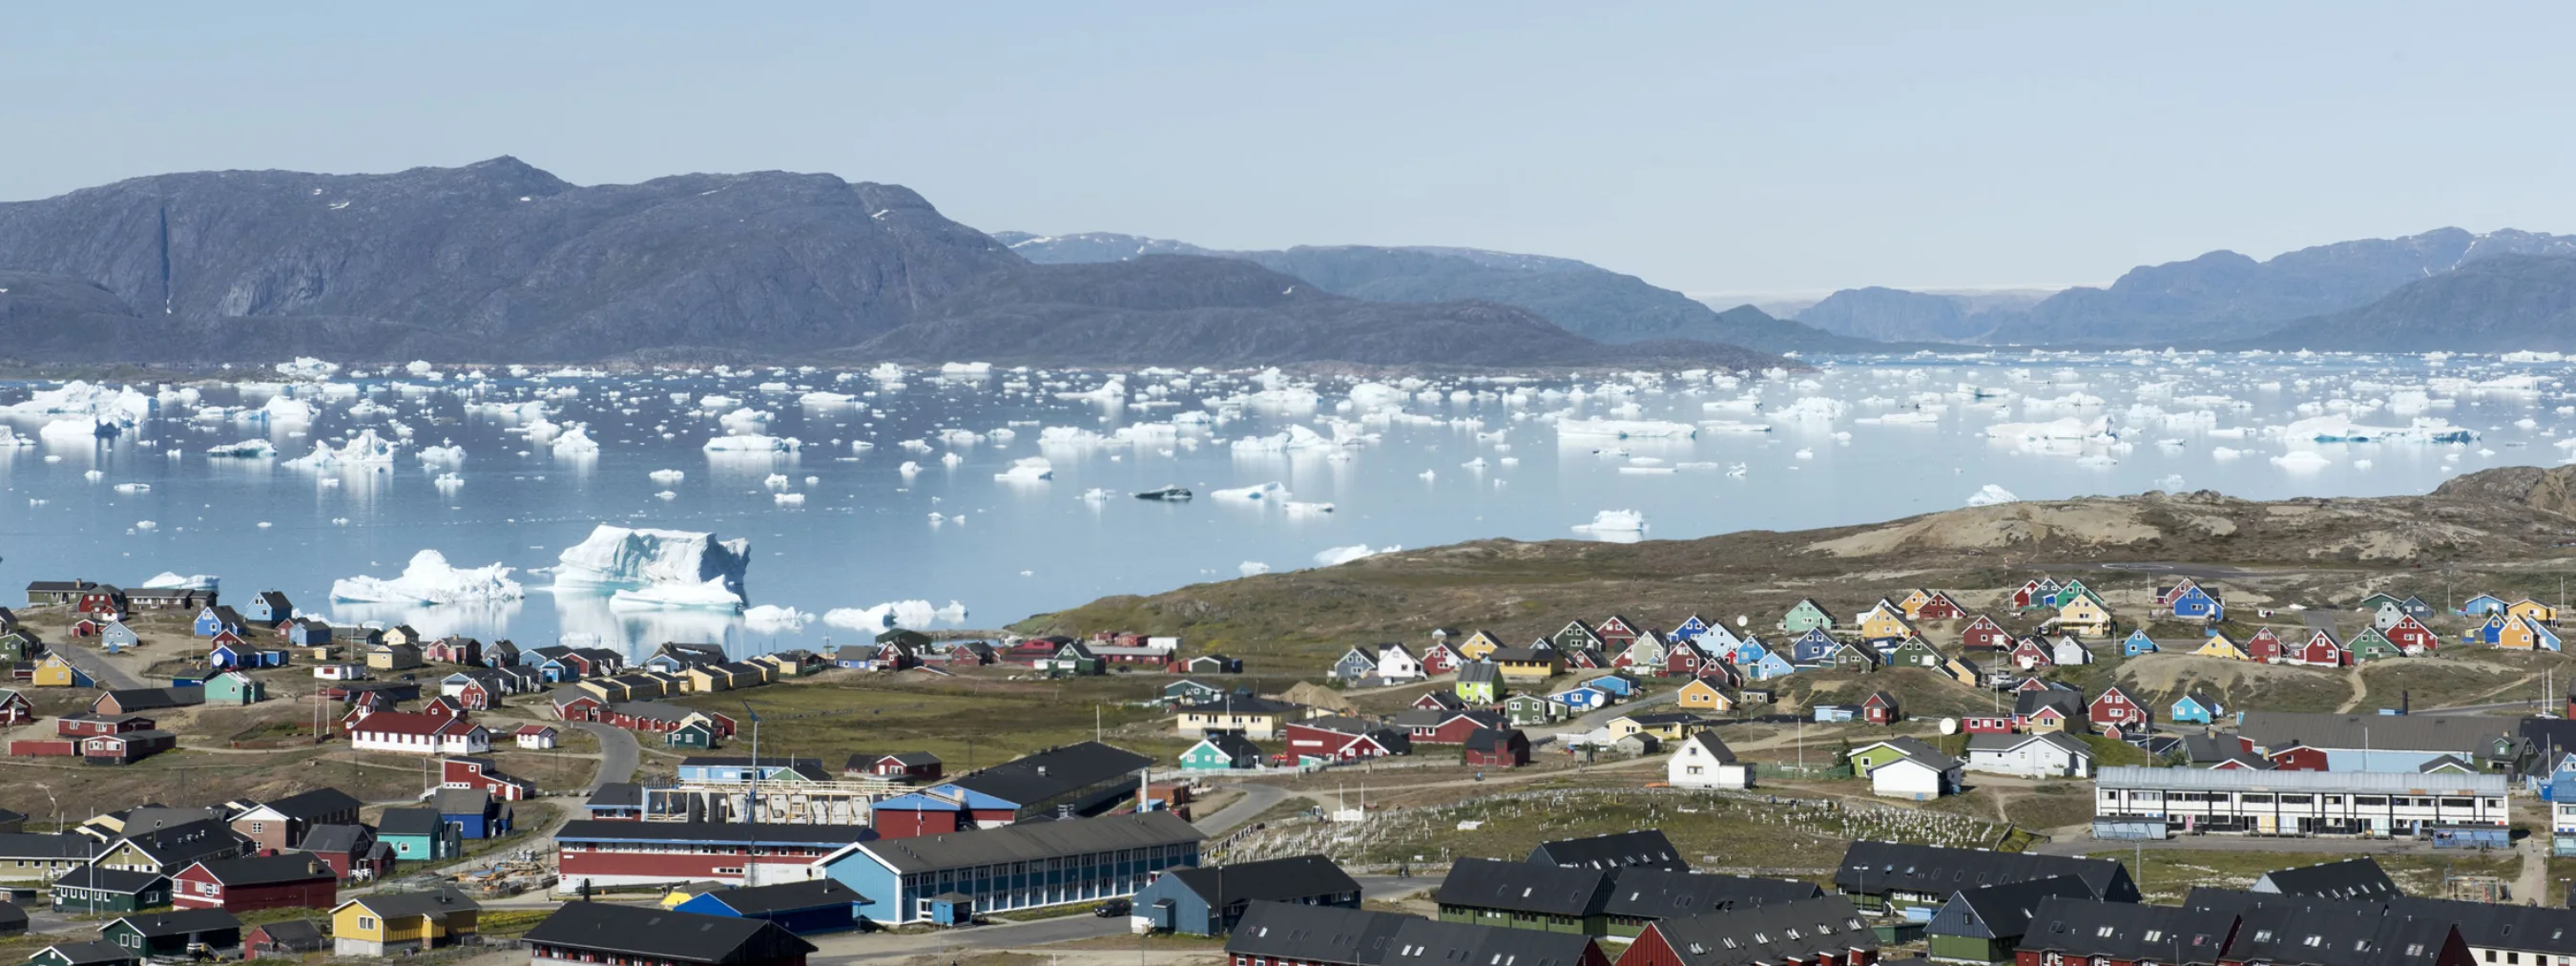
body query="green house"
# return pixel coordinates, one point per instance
(1806, 615)
(695, 734)
(1916, 652)
(1525, 895)
(1528, 710)
(1853, 657)
(419, 834)
(2375, 601)
(2371, 645)
(2070, 591)
(1221, 751)
(84, 954)
(1186, 691)
(234, 687)
(91, 888)
(16, 646)
(1478, 681)
(1867, 758)
(175, 934)
(1575, 636)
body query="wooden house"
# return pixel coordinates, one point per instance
(2084, 615)
(2319, 650)
(2137, 643)
(2532, 610)
(1881, 708)
(1576, 634)
(1616, 631)
(1531, 710)
(1912, 603)
(55, 671)
(1477, 682)
(1916, 652)
(2263, 646)
(1689, 629)
(1885, 623)
(1700, 695)
(1440, 658)
(1528, 664)
(2411, 636)
(2196, 707)
(2114, 708)
(2523, 633)
(1806, 615)
(1983, 634)
(1478, 646)
(2219, 646)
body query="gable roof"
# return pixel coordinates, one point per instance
(1768, 934)
(177, 922)
(1430, 942)
(335, 838)
(2002, 910)
(1661, 894)
(1295, 877)
(666, 933)
(1314, 934)
(404, 905)
(787, 896)
(266, 869)
(1646, 848)
(1024, 842)
(1872, 867)
(121, 881)
(410, 821)
(2355, 878)
(2086, 928)
(2413, 732)
(315, 803)
(1523, 887)
(1053, 772)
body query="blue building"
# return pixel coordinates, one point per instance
(1016, 866)
(2196, 708)
(1209, 901)
(2192, 603)
(473, 812)
(803, 908)
(1618, 685)
(1770, 666)
(2483, 604)
(1690, 629)
(738, 770)
(1813, 647)
(2137, 643)
(1585, 698)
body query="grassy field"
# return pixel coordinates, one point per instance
(969, 721)
(186, 777)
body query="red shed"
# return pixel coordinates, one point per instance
(2264, 646)
(1506, 748)
(2297, 757)
(289, 881)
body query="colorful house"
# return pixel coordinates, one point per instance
(1885, 623)
(2196, 708)
(1222, 751)
(385, 923)
(1573, 636)
(2535, 611)
(1914, 653)
(1478, 646)
(1939, 607)
(1770, 666)
(2218, 645)
(1812, 648)
(1689, 629)
(1529, 664)
(2188, 601)
(1806, 615)
(2482, 604)
(1700, 695)
(2264, 646)
(2319, 650)
(56, 672)
(1528, 710)
(2411, 636)
(2371, 645)
(2137, 643)
(1477, 682)
(1983, 634)
(2114, 708)
(2083, 615)
(1881, 708)
(235, 688)
(2522, 633)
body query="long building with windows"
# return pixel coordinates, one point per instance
(2135, 802)
(1019, 866)
(604, 852)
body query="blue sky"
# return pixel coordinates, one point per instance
(1706, 147)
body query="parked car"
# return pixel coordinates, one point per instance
(1113, 908)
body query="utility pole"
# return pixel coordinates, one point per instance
(751, 800)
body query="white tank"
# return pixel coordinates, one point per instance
(1949, 726)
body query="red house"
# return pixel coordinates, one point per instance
(91, 723)
(2026, 596)
(2319, 651)
(1721, 673)
(1880, 709)
(1458, 727)
(1439, 658)
(474, 696)
(571, 705)
(443, 706)
(2410, 635)
(1986, 724)
(1503, 748)
(126, 748)
(289, 881)
(1682, 659)
(479, 774)
(1983, 634)
(2297, 757)
(2264, 646)
(1616, 632)
(2031, 655)
(910, 766)
(2113, 707)
(1342, 738)
(1940, 608)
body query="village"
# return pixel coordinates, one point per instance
(2025, 773)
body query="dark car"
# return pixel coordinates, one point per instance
(1113, 908)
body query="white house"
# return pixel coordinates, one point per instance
(2068, 651)
(340, 671)
(1916, 776)
(411, 733)
(536, 736)
(2053, 754)
(1395, 662)
(1703, 761)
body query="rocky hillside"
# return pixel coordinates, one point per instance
(492, 260)
(1582, 298)
(1192, 310)
(2499, 304)
(2491, 527)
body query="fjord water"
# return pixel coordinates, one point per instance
(1468, 458)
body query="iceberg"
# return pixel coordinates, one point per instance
(429, 579)
(744, 421)
(2301, 460)
(287, 409)
(248, 449)
(79, 398)
(711, 595)
(448, 455)
(619, 558)
(365, 449)
(1335, 556)
(753, 444)
(901, 613)
(667, 476)
(74, 431)
(306, 369)
(1028, 469)
(1259, 491)
(576, 441)
(167, 580)
(771, 617)
(1626, 428)
(1990, 495)
(2341, 429)
(821, 398)
(1614, 521)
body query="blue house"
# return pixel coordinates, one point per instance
(732, 770)
(308, 633)
(926, 813)
(117, 637)
(2488, 631)
(1770, 666)
(227, 655)
(1618, 685)
(1832, 713)
(473, 812)
(2483, 604)
(1718, 640)
(1751, 651)
(1813, 647)
(213, 620)
(2196, 708)
(1582, 698)
(1356, 664)
(804, 908)
(1210, 902)
(2137, 643)
(1690, 629)
(2193, 603)
(269, 607)
(1014, 866)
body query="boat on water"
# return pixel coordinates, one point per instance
(1170, 493)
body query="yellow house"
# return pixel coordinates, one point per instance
(2538, 612)
(2219, 646)
(402, 634)
(2526, 634)
(1255, 717)
(1527, 664)
(395, 922)
(54, 672)
(1478, 646)
(2084, 617)
(1700, 695)
(702, 679)
(1963, 672)
(390, 656)
(1913, 603)
(1667, 726)
(607, 689)
(1882, 623)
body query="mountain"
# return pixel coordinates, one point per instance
(1897, 315)
(1198, 310)
(2499, 304)
(2217, 297)
(492, 260)
(1585, 299)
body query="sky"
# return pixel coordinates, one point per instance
(1712, 148)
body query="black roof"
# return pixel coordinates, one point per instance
(267, 869)
(119, 881)
(1645, 848)
(788, 897)
(1874, 868)
(2001, 911)
(315, 803)
(332, 838)
(291, 932)
(178, 697)
(1428, 942)
(2533, 928)
(617, 794)
(1295, 877)
(1662, 894)
(1314, 934)
(404, 905)
(666, 934)
(2080, 928)
(2300, 937)
(1055, 772)
(593, 830)
(1523, 887)
(1494, 739)
(34, 845)
(2356, 878)
(79, 954)
(1769, 934)
(2026, 703)
(178, 922)
(1235, 705)
(1233, 744)
(410, 821)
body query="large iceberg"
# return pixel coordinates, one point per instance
(429, 579)
(714, 594)
(122, 405)
(753, 444)
(901, 613)
(619, 558)
(172, 581)
(365, 449)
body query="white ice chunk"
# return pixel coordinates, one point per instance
(1990, 494)
(429, 579)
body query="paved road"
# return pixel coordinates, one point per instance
(1257, 798)
(98, 668)
(618, 754)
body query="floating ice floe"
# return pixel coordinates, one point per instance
(167, 580)
(1258, 491)
(447, 482)
(306, 369)
(9, 439)
(1027, 469)
(134, 488)
(286, 409)
(248, 449)
(124, 405)
(615, 558)
(82, 431)
(364, 449)
(1990, 495)
(711, 594)
(666, 476)
(447, 455)
(2341, 429)
(429, 579)
(821, 398)
(1625, 428)
(2301, 460)
(753, 444)
(787, 499)
(1614, 521)
(771, 617)
(1298, 507)
(576, 441)
(1334, 556)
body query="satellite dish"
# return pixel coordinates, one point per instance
(1743, 621)
(1949, 726)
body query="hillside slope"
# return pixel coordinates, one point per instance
(2502, 304)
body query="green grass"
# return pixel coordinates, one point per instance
(969, 721)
